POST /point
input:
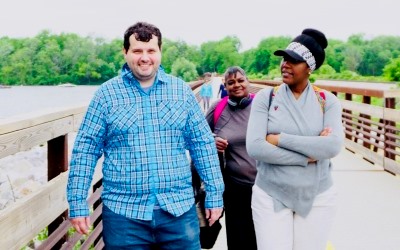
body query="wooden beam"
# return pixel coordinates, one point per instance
(365, 152)
(36, 118)
(391, 166)
(22, 221)
(25, 139)
(374, 111)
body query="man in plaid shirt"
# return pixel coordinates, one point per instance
(142, 122)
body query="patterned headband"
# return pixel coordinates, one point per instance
(305, 53)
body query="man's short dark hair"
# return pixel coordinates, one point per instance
(143, 32)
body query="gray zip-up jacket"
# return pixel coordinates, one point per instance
(284, 171)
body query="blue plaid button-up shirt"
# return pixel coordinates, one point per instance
(144, 137)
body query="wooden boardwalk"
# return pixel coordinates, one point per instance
(368, 216)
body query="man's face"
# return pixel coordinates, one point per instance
(143, 58)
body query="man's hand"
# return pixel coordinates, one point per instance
(81, 224)
(221, 144)
(212, 215)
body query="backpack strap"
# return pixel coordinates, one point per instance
(318, 92)
(221, 106)
(271, 95)
(320, 96)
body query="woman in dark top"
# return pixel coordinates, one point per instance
(228, 120)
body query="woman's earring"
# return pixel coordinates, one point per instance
(309, 72)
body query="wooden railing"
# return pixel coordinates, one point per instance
(372, 132)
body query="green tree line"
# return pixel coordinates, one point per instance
(50, 59)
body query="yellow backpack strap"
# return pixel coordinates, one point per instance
(320, 96)
(276, 88)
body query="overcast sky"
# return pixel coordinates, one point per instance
(200, 21)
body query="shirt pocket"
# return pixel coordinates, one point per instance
(123, 120)
(172, 114)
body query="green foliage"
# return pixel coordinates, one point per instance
(392, 70)
(49, 59)
(274, 73)
(184, 69)
(173, 50)
(256, 76)
(352, 58)
(334, 54)
(218, 56)
(262, 58)
(326, 70)
(348, 75)
(42, 236)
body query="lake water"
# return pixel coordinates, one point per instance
(23, 173)
(19, 100)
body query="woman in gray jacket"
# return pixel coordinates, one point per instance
(293, 132)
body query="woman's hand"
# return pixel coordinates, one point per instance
(326, 131)
(221, 144)
(273, 139)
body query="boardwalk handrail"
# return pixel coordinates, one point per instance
(24, 219)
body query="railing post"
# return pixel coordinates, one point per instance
(57, 162)
(389, 103)
(348, 97)
(95, 206)
(366, 100)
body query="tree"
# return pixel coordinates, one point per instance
(392, 70)
(18, 68)
(174, 50)
(326, 70)
(352, 58)
(377, 53)
(184, 69)
(52, 59)
(218, 56)
(264, 59)
(334, 54)
(111, 57)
